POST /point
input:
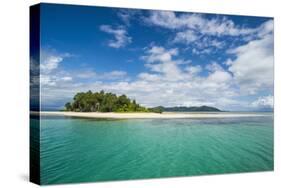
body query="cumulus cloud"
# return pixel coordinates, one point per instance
(49, 64)
(253, 66)
(218, 74)
(121, 38)
(194, 70)
(160, 60)
(49, 60)
(263, 102)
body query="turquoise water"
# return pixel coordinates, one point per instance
(83, 150)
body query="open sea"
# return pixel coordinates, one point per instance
(76, 150)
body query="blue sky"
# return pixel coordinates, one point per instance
(156, 57)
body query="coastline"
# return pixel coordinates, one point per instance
(148, 115)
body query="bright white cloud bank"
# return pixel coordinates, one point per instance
(253, 67)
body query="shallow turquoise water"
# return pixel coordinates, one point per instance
(82, 150)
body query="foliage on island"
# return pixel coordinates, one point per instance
(104, 102)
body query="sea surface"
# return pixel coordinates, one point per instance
(84, 150)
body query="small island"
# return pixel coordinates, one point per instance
(105, 102)
(111, 106)
(109, 102)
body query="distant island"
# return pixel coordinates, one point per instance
(188, 109)
(109, 102)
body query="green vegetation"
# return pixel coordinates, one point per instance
(104, 102)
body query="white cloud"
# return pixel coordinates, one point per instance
(263, 102)
(47, 80)
(213, 66)
(204, 45)
(160, 54)
(216, 26)
(54, 79)
(201, 52)
(120, 34)
(218, 74)
(266, 28)
(90, 74)
(161, 61)
(198, 31)
(193, 70)
(49, 65)
(215, 43)
(86, 74)
(66, 78)
(149, 77)
(186, 36)
(219, 77)
(49, 62)
(115, 74)
(253, 66)
(165, 19)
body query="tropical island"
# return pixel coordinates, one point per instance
(105, 102)
(109, 102)
(111, 106)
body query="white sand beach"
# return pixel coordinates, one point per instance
(165, 115)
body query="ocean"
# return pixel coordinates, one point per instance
(76, 150)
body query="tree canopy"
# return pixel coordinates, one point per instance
(104, 102)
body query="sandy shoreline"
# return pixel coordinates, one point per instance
(165, 115)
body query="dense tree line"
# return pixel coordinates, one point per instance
(104, 102)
